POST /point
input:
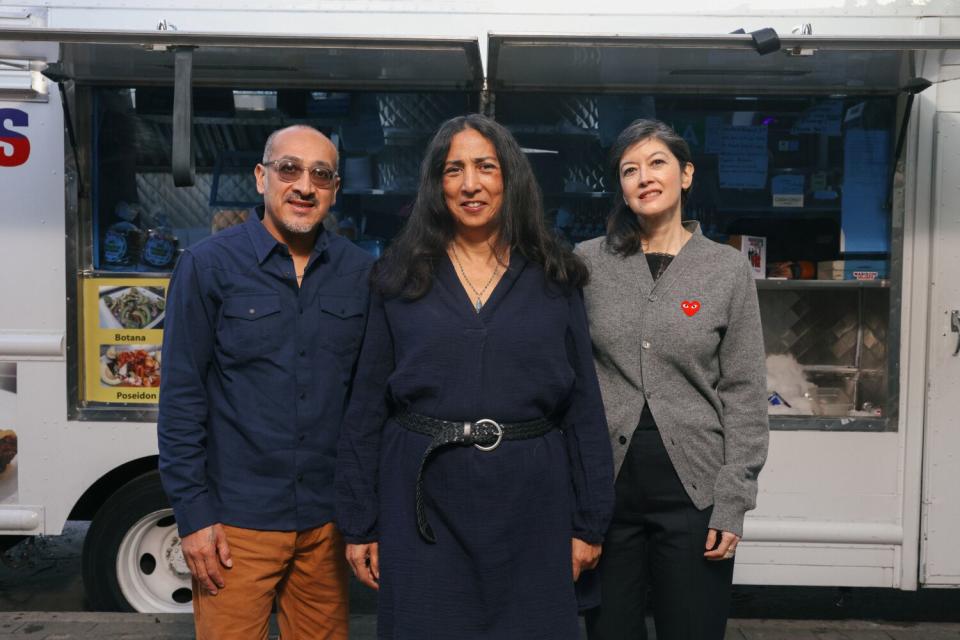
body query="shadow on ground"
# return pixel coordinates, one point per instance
(43, 574)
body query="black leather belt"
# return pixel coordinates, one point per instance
(484, 434)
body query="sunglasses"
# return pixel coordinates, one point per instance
(290, 171)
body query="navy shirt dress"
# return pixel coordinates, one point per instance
(503, 519)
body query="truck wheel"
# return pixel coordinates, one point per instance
(131, 556)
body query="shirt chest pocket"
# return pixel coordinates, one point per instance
(341, 323)
(250, 324)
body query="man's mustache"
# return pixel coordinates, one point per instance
(311, 198)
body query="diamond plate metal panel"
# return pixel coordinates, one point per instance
(584, 168)
(417, 112)
(185, 207)
(551, 113)
(398, 168)
(580, 111)
(568, 124)
(876, 320)
(211, 137)
(816, 327)
(839, 335)
(238, 188)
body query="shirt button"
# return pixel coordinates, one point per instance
(303, 352)
(299, 477)
(303, 396)
(622, 439)
(694, 487)
(645, 344)
(251, 311)
(301, 437)
(301, 310)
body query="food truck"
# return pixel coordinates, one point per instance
(826, 142)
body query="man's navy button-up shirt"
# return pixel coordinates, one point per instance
(256, 373)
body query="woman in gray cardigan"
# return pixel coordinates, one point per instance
(679, 352)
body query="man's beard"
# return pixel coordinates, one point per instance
(300, 226)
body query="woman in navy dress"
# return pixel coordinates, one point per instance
(476, 371)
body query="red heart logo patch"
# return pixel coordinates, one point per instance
(690, 307)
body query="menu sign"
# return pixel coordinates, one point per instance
(123, 330)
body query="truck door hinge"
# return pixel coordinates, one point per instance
(955, 328)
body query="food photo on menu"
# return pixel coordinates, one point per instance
(8, 436)
(8, 465)
(131, 307)
(130, 366)
(8, 448)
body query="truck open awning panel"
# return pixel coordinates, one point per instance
(707, 64)
(240, 60)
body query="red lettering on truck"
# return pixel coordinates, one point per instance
(10, 138)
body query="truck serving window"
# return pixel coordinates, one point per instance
(800, 183)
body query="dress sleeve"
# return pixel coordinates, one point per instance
(358, 456)
(585, 428)
(742, 391)
(188, 338)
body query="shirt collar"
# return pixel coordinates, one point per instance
(264, 243)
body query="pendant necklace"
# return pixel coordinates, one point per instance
(479, 303)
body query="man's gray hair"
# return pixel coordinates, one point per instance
(268, 145)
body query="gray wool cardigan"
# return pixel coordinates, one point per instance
(690, 345)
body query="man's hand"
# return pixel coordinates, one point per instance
(205, 550)
(585, 556)
(364, 559)
(726, 548)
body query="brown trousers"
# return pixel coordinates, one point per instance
(305, 572)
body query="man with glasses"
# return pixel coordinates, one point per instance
(263, 326)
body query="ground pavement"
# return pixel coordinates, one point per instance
(34, 625)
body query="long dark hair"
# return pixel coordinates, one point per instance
(408, 265)
(624, 227)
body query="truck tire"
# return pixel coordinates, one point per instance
(131, 556)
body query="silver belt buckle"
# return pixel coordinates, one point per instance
(496, 425)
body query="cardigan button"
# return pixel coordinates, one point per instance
(622, 439)
(645, 344)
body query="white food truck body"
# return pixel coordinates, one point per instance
(865, 507)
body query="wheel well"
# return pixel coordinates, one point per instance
(94, 497)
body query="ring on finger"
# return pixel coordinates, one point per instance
(729, 554)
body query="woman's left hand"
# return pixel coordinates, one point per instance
(727, 547)
(585, 556)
